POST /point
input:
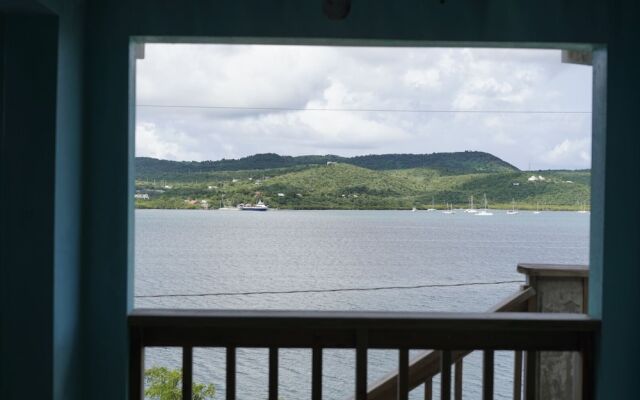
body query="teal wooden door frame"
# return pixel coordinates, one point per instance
(113, 25)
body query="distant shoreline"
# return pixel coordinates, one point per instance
(457, 209)
(375, 182)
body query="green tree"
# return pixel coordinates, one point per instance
(164, 384)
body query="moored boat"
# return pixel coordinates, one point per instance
(513, 210)
(484, 211)
(260, 206)
(471, 208)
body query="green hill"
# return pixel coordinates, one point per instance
(346, 186)
(448, 163)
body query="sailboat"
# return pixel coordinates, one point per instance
(513, 210)
(584, 208)
(484, 211)
(414, 209)
(433, 205)
(449, 210)
(471, 208)
(537, 211)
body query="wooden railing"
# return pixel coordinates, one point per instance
(573, 280)
(451, 334)
(424, 367)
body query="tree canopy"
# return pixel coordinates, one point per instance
(166, 384)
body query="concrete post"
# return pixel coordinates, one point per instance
(559, 289)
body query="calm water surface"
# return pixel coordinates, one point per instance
(196, 252)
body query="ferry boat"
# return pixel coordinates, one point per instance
(260, 206)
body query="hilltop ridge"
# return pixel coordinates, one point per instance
(446, 163)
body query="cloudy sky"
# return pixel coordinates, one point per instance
(207, 102)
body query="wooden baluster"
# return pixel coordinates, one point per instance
(361, 365)
(457, 380)
(316, 373)
(187, 372)
(445, 372)
(487, 375)
(586, 357)
(517, 376)
(428, 389)
(403, 374)
(530, 388)
(136, 366)
(273, 373)
(231, 373)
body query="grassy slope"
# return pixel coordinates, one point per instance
(345, 186)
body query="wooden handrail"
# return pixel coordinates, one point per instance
(338, 329)
(554, 270)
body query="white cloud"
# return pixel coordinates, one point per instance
(423, 78)
(362, 78)
(173, 146)
(571, 152)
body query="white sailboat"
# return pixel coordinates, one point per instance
(414, 209)
(584, 208)
(433, 205)
(484, 211)
(513, 210)
(537, 211)
(449, 210)
(471, 208)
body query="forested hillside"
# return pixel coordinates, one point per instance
(450, 163)
(388, 181)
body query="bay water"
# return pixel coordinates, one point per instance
(214, 258)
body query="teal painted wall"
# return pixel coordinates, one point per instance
(69, 204)
(41, 200)
(74, 292)
(108, 222)
(28, 166)
(616, 223)
(417, 22)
